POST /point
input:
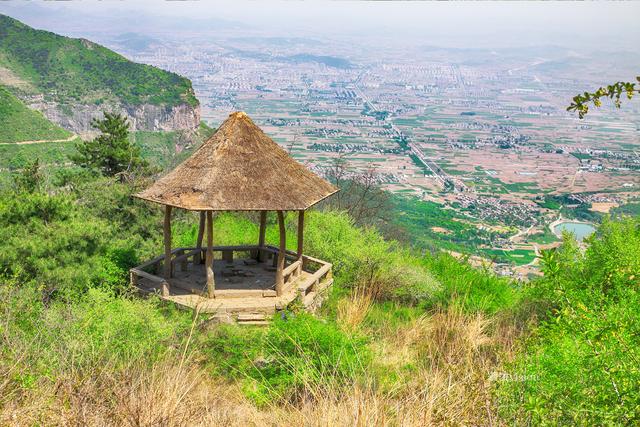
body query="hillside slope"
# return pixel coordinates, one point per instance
(406, 337)
(73, 80)
(18, 123)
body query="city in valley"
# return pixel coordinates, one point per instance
(480, 134)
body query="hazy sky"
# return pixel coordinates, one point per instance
(460, 24)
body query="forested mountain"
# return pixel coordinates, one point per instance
(73, 80)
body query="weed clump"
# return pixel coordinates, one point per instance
(298, 357)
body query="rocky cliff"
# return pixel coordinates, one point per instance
(77, 117)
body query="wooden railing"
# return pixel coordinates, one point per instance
(320, 279)
(317, 283)
(182, 257)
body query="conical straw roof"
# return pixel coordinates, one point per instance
(239, 168)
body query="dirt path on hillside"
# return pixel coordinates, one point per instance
(42, 141)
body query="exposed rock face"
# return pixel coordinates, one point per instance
(77, 118)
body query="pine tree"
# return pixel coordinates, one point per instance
(111, 152)
(30, 180)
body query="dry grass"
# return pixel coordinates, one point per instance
(165, 395)
(452, 357)
(435, 370)
(353, 310)
(161, 395)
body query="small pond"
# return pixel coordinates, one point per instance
(579, 229)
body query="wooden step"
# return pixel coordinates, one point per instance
(243, 307)
(251, 316)
(256, 319)
(254, 322)
(238, 293)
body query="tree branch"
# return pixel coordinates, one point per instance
(614, 92)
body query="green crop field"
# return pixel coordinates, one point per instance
(543, 238)
(515, 256)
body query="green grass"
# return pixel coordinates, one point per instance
(70, 70)
(549, 203)
(543, 238)
(19, 123)
(302, 351)
(475, 290)
(522, 187)
(581, 156)
(52, 154)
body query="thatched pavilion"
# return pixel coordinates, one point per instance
(238, 169)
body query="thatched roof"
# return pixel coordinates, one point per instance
(239, 168)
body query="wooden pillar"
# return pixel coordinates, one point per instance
(211, 284)
(281, 255)
(184, 263)
(300, 239)
(197, 259)
(263, 230)
(167, 248)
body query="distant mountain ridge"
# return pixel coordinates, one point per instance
(330, 61)
(72, 81)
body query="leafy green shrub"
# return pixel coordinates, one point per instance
(132, 218)
(581, 366)
(114, 269)
(44, 243)
(361, 257)
(23, 209)
(63, 247)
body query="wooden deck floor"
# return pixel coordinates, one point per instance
(228, 276)
(245, 289)
(242, 286)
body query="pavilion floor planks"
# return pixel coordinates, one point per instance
(240, 288)
(244, 290)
